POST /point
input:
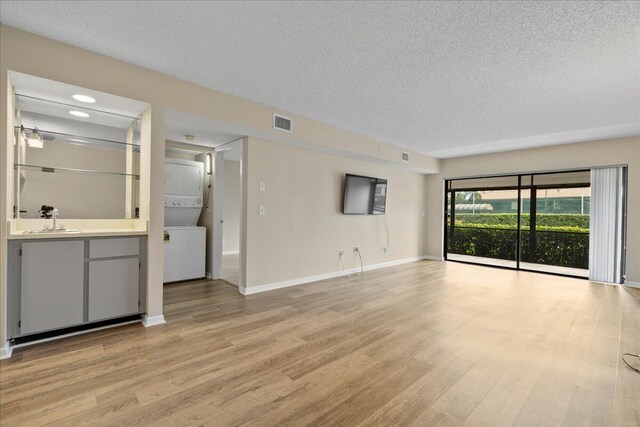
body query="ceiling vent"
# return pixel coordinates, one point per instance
(282, 123)
(405, 156)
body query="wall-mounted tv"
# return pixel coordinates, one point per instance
(364, 195)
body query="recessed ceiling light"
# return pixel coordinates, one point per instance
(78, 113)
(84, 98)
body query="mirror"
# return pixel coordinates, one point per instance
(81, 158)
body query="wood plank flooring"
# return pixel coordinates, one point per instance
(421, 344)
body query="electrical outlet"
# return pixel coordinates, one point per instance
(356, 249)
(262, 210)
(263, 186)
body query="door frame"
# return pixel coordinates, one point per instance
(218, 209)
(519, 187)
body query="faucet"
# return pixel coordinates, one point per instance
(54, 213)
(54, 227)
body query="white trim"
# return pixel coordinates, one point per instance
(332, 275)
(207, 274)
(433, 257)
(153, 320)
(5, 351)
(236, 252)
(632, 284)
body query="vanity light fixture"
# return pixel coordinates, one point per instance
(78, 113)
(84, 98)
(209, 164)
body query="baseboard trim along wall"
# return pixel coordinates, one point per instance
(5, 351)
(332, 275)
(632, 284)
(149, 321)
(433, 257)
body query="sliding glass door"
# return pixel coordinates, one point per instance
(537, 222)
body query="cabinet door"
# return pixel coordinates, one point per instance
(52, 285)
(113, 288)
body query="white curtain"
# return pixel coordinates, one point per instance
(606, 234)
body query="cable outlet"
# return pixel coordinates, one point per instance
(356, 249)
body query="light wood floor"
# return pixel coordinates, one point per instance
(421, 344)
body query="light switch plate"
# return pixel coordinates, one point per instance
(263, 210)
(263, 186)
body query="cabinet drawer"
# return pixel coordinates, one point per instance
(113, 288)
(107, 248)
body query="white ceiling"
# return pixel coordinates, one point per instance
(208, 133)
(442, 78)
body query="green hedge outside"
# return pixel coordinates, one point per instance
(552, 248)
(551, 222)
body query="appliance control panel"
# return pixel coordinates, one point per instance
(182, 202)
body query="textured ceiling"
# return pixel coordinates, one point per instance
(207, 132)
(446, 79)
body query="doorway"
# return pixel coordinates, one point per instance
(228, 212)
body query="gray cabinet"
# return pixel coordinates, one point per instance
(59, 283)
(52, 283)
(113, 288)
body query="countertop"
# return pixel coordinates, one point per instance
(21, 235)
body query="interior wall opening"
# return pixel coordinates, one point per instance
(191, 232)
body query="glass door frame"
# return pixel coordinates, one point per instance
(532, 212)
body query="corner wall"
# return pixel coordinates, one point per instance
(623, 151)
(303, 229)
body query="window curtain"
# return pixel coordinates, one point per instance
(606, 225)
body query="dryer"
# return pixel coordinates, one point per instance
(184, 241)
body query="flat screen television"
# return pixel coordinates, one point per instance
(364, 195)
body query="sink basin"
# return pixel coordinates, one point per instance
(65, 231)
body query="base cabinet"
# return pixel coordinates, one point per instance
(113, 288)
(52, 283)
(55, 284)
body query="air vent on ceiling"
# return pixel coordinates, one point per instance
(405, 156)
(282, 123)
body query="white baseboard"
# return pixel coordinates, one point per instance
(207, 275)
(433, 258)
(149, 321)
(231, 253)
(5, 351)
(632, 284)
(309, 279)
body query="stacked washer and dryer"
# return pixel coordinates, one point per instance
(184, 242)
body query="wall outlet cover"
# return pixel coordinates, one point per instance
(262, 210)
(263, 186)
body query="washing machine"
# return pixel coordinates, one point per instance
(185, 244)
